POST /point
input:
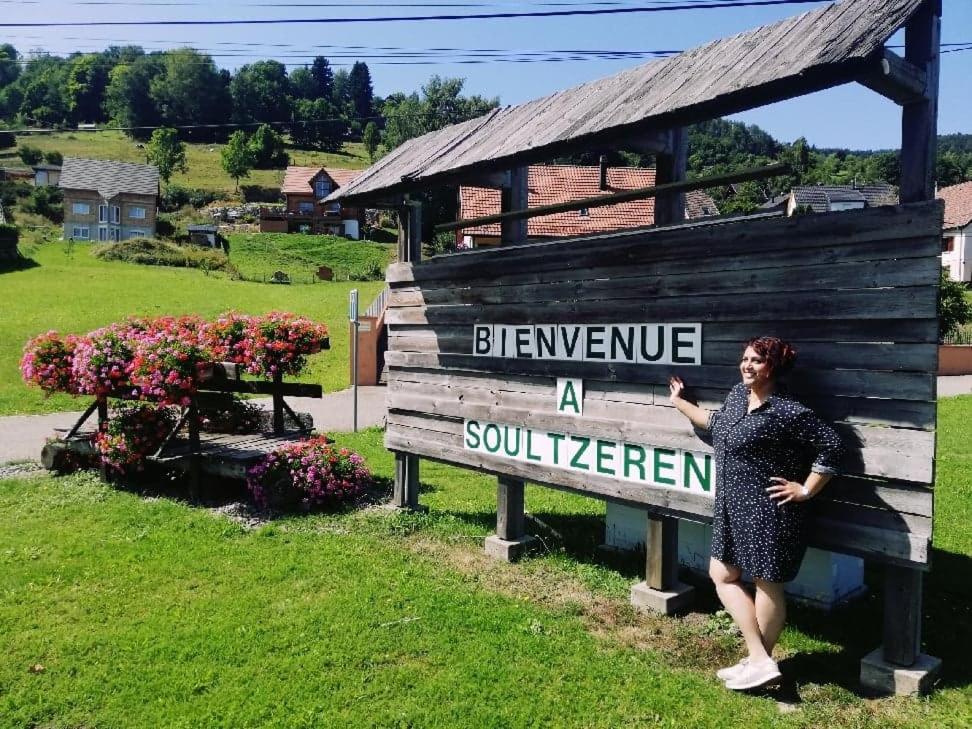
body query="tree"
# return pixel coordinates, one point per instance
(268, 148)
(954, 309)
(371, 139)
(190, 90)
(237, 157)
(323, 77)
(360, 92)
(9, 68)
(54, 157)
(128, 100)
(261, 93)
(166, 152)
(318, 125)
(303, 85)
(87, 80)
(43, 82)
(341, 88)
(29, 155)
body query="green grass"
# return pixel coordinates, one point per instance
(204, 171)
(258, 255)
(122, 611)
(73, 292)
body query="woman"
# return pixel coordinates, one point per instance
(772, 455)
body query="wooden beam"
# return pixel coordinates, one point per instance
(897, 79)
(901, 644)
(510, 521)
(919, 121)
(701, 183)
(670, 168)
(661, 568)
(515, 198)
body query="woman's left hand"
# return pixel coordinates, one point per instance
(784, 491)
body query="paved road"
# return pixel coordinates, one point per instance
(23, 436)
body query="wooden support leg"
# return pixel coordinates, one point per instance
(278, 411)
(661, 591)
(195, 460)
(899, 666)
(406, 492)
(511, 540)
(102, 421)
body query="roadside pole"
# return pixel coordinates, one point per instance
(353, 317)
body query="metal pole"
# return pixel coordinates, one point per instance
(353, 315)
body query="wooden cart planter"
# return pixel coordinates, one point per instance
(190, 449)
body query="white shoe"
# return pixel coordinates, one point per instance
(754, 675)
(727, 674)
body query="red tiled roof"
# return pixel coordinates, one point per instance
(297, 180)
(958, 205)
(552, 184)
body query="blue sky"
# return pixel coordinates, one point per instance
(850, 116)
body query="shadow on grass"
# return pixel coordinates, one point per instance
(17, 264)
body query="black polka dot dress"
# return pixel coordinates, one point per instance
(781, 437)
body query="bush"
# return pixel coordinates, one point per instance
(308, 475)
(267, 147)
(178, 196)
(54, 158)
(46, 201)
(954, 308)
(29, 155)
(48, 363)
(132, 433)
(152, 252)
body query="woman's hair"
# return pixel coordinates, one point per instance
(779, 355)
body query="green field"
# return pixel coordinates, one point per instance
(258, 255)
(73, 292)
(121, 611)
(204, 172)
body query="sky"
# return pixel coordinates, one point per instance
(849, 116)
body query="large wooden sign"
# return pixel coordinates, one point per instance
(479, 340)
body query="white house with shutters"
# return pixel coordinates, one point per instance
(957, 231)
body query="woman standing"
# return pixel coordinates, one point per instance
(772, 455)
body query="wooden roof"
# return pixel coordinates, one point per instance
(816, 50)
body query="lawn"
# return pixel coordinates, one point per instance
(204, 172)
(258, 255)
(126, 611)
(73, 292)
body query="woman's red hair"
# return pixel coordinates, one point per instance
(779, 355)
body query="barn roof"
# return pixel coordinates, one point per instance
(958, 205)
(552, 184)
(816, 50)
(820, 197)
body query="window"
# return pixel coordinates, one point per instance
(115, 214)
(305, 208)
(322, 186)
(102, 213)
(81, 232)
(332, 208)
(136, 234)
(948, 244)
(41, 178)
(81, 208)
(136, 212)
(102, 233)
(583, 212)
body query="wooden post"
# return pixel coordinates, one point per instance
(899, 666)
(102, 421)
(195, 459)
(661, 570)
(515, 197)
(671, 167)
(405, 494)
(278, 402)
(511, 540)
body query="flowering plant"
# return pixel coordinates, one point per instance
(47, 362)
(281, 343)
(229, 337)
(308, 474)
(167, 358)
(132, 433)
(102, 360)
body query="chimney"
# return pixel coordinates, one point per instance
(604, 168)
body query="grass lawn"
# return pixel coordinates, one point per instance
(127, 611)
(260, 254)
(205, 171)
(73, 292)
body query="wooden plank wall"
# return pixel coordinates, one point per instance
(856, 292)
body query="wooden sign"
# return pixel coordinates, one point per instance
(479, 340)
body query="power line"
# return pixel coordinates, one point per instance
(709, 5)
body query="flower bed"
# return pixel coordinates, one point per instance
(309, 475)
(131, 434)
(47, 363)
(281, 343)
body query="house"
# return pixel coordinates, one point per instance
(552, 184)
(957, 231)
(109, 201)
(304, 189)
(46, 175)
(832, 198)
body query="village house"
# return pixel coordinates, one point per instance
(833, 198)
(46, 175)
(957, 231)
(109, 201)
(553, 184)
(304, 211)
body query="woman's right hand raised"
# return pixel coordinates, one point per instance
(676, 388)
